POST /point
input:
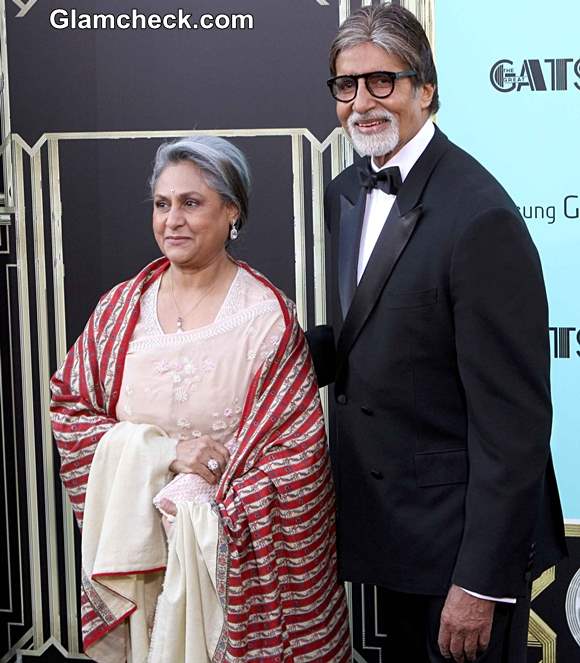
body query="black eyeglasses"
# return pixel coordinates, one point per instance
(379, 83)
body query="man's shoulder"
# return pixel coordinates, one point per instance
(346, 182)
(465, 168)
(461, 177)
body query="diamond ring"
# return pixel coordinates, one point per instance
(212, 465)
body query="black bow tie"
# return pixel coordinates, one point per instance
(387, 180)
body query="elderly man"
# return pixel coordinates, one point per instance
(447, 499)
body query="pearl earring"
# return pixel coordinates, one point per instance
(234, 231)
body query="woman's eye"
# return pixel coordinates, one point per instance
(160, 204)
(191, 203)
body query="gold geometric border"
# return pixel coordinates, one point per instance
(39, 441)
(15, 150)
(540, 634)
(25, 6)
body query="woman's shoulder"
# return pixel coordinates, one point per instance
(130, 291)
(252, 288)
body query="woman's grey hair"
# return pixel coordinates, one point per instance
(398, 32)
(222, 164)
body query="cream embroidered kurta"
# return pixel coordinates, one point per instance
(194, 383)
(190, 384)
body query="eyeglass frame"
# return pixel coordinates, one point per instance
(393, 75)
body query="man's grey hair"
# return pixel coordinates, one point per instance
(398, 32)
(222, 164)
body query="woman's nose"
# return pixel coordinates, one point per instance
(174, 216)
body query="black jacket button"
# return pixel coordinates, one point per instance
(366, 410)
(377, 474)
(341, 398)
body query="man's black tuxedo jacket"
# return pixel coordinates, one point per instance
(440, 443)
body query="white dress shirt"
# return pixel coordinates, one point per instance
(379, 203)
(377, 210)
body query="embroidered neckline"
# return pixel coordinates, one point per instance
(155, 295)
(206, 332)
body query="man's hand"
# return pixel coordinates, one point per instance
(465, 625)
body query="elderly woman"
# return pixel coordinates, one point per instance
(190, 399)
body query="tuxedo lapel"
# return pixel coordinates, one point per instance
(351, 220)
(391, 243)
(412, 189)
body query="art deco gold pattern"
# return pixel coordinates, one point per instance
(35, 401)
(5, 195)
(539, 633)
(22, 231)
(24, 6)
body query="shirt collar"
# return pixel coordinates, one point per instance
(408, 155)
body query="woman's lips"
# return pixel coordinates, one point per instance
(176, 241)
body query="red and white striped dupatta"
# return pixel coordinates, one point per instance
(277, 564)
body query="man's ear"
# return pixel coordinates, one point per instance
(427, 90)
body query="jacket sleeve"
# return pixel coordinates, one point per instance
(501, 327)
(321, 340)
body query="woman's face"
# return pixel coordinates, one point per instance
(191, 222)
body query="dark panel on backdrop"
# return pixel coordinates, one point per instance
(74, 79)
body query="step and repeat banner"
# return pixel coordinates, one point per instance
(88, 91)
(509, 79)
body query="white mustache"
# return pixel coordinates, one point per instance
(372, 116)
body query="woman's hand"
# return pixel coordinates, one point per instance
(192, 457)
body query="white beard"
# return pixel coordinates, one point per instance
(376, 145)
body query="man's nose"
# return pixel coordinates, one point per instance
(364, 100)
